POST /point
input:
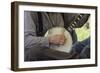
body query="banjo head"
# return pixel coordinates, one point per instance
(66, 47)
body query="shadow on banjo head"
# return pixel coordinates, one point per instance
(66, 47)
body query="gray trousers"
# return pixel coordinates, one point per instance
(36, 54)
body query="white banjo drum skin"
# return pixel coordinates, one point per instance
(66, 47)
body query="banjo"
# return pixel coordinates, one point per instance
(66, 47)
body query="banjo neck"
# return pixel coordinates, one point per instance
(73, 24)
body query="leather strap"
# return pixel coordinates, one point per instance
(39, 27)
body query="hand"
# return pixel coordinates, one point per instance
(57, 39)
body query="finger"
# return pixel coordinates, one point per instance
(61, 42)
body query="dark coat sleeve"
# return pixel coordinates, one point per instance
(69, 18)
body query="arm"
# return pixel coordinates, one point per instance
(30, 38)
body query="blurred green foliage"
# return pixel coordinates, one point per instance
(83, 32)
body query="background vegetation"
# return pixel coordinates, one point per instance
(83, 32)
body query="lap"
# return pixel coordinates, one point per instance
(82, 48)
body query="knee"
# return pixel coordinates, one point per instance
(32, 54)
